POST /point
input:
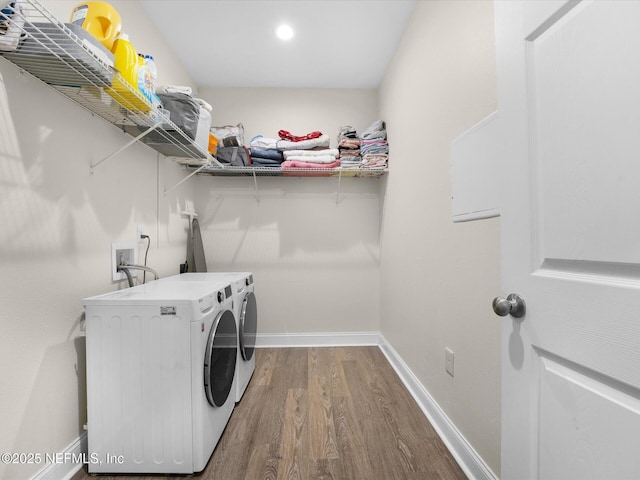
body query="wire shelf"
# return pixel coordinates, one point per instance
(70, 61)
(62, 56)
(231, 171)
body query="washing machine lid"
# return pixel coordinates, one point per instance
(214, 282)
(215, 276)
(156, 291)
(220, 358)
(248, 326)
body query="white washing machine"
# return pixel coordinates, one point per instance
(161, 368)
(246, 311)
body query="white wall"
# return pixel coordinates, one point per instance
(316, 263)
(439, 278)
(58, 222)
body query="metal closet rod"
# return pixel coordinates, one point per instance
(257, 194)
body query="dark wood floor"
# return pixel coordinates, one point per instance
(326, 413)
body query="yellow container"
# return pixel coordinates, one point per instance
(128, 64)
(213, 144)
(99, 19)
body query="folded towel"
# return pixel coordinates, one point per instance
(349, 143)
(347, 131)
(174, 89)
(353, 159)
(295, 164)
(264, 143)
(349, 153)
(375, 161)
(312, 153)
(311, 158)
(322, 141)
(203, 104)
(375, 130)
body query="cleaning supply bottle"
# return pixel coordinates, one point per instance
(150, 82)
(151, 65)
(124, 86)
(100, 19)
(146, 80)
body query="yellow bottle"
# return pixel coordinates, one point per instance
(99, 19)
(124, 88)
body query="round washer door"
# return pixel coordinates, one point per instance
(248, 326)
(220, 358)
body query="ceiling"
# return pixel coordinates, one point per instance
(232, 43)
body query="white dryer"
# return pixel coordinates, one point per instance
(161, 362)
(246, 311)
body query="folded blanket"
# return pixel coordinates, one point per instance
(295, 164)
(311, 158)
(321, 141)
(334, 152)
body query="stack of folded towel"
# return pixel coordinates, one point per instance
(307, 151)
(374, 147)
(325, 158)
(293, 151)
(349, 147)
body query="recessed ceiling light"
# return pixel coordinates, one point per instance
(284, 32)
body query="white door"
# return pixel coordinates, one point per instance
(569, 97)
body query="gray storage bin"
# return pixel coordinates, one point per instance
(184, 112)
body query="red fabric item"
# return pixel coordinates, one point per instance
(284, 135)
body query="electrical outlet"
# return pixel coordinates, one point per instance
(449, 360)
(125, 252)
(139, 232)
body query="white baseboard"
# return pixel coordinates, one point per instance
(67, 467)
(361, 339)
(471, 463)
(468, 459)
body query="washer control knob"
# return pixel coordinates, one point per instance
(220, 297)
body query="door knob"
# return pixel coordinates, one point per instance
(512, 305)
